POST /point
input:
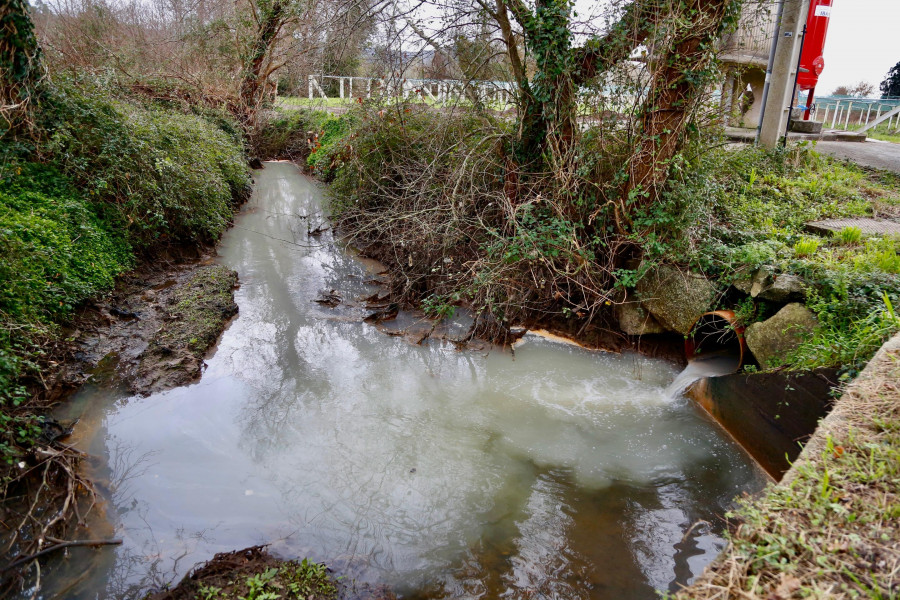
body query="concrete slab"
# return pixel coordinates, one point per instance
(867, 226)
(873, 154)
(741, 134)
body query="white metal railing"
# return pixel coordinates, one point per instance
(436, 90)
(842, 113)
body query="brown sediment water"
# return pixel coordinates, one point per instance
(553, 472)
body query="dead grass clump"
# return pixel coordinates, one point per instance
(253, 573)
(831, 528)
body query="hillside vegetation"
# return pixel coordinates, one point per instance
(98, 182)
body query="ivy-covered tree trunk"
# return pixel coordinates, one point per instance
(270, 17)
(550, 102)
(683, 70)
(549, 99)
(20, 69)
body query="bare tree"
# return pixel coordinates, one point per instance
(862, 89)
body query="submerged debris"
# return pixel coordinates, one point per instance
(330, 298)
(385, 313)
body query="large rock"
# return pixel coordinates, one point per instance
(771, 340)
(636, 320)
(753, 282)
(783, 289)
(675, 298)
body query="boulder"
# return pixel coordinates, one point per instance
(771, 340)
(753, 281)
(635, 320)
(784, 289)
(676, 299)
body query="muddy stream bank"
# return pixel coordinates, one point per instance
(398, 459)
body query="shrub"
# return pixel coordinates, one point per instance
(169, 175)
(283, 134)
(103, 178)
(56, 250)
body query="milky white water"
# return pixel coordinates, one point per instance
(713, 365)
(554, 473)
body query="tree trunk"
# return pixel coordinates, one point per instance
(271, 19)
(20, 70)
(682, 73)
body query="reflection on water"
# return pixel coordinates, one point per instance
(554, 473)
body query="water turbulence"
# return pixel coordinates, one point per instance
(554, 472)
(713, 365)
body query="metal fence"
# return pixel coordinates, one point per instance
(843, 112)
(435, 90)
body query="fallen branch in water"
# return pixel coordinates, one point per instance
(70, 544)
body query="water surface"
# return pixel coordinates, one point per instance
(551, 473)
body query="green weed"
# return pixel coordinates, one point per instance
(849, 235)
(806, 247)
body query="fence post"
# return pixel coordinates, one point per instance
(849, 112)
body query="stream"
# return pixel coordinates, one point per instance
(550, 472)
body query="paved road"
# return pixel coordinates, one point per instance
(871, 153)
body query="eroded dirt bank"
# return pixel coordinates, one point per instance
(153, 332)
(150, 334)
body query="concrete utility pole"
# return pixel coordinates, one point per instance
(784, 70)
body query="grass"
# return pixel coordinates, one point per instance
(831, 529)
(320, 103)
(885, 136)
(317, 102)
(750, 208)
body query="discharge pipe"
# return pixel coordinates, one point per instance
(716, 333)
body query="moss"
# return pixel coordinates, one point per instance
(57, 249)
(200, 309)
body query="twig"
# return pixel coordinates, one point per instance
(70, 544)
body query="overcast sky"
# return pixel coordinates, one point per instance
(863, 43)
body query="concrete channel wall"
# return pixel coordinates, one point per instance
(851, 456)
(770, 414)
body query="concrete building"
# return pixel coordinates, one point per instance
(744, 56)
